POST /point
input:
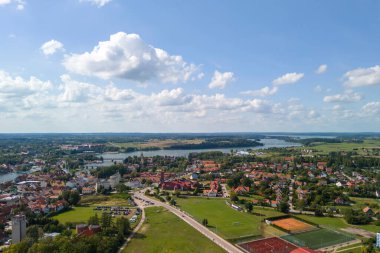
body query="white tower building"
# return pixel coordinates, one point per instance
(18, 228)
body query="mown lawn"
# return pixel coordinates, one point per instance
(338, 223)
(224, 220)
(331, 222)
(76, 215)
(81, 214)
(354, 248)
(165, 232)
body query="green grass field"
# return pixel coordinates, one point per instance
(338, 223)
(360, 203)
(82, 213)
(165, 232)
(354, 248)
(331, 222)
(76, 215)
(318, 238)
(364, 148)
(224, 220)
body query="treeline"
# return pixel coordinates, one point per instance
(218, 143)
(105, 172)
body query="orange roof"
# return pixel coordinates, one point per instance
(304, 250)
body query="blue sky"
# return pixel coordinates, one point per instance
(189, 66)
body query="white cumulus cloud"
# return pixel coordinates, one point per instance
(51, 47)
(347, 97)
(288, 78)
(263, 92)
(127, 56)
(321, 69)
(20, 4)
(99, 3)
(372, 108)
(221, 80)
(362, 77)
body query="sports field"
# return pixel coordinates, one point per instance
(318, 238)
(224, 220)
(292, 225)
(165, 232)
(274, 244)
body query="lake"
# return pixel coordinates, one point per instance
(8, 177)
(268, 143)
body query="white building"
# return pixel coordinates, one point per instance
(18, 228)
(114, 180)
(107, 183)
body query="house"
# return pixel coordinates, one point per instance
(134, 184)
(304, 250)
(339, 201)
(85, 230)
(183, 185)
(194, 176)
(241, 190)
(367, 210)
(88, 190)
(210, 193)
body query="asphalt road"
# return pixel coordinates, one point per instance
(189, 220)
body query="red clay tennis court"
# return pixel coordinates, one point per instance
(269, 245)
(292, 225)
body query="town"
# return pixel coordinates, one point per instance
(300, 198)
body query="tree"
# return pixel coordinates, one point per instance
(122, 188)
(283, 207)
(72, 197)
(249, 206)
(34, 232)
(122, 225)
(105, 220)
(318, 211)
(172, 202)
(93, 220)
(233, 196)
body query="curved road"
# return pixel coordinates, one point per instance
(189, 220)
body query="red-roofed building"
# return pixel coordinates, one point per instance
(304, 250)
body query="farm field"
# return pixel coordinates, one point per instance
(224, 220)
(318, 238)
(165, 232)
(325, 148)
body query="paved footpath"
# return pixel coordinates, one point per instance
(227, 246)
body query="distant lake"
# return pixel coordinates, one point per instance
(7, 177)
(268, 143)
